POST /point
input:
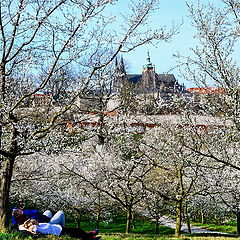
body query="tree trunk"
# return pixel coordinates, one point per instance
(178, 218)
(238, 223)
(189, 226)
(202, 216)
(5, 183)
(133, 220)
(129, 219)
(187, 219)
(157, 225)
(98, 219)
(2, 82)
(5, 163)
(4, 192)
(79, 220)
(179, 204)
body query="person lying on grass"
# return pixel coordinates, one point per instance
(35, 228)
(20, 215)
(56, 227)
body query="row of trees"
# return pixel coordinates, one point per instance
(38, 39)
(149, 174)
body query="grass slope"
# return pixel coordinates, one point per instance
(117, 236)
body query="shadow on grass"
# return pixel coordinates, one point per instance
(139, 228)
(214, 235)
(163, 230)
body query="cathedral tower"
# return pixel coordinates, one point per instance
(120, 75)
(149, 76)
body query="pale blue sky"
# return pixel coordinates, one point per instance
(162, 56)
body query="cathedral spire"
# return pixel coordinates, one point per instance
(120, 74)
(116, 63)
(122, 66)
(148, 63)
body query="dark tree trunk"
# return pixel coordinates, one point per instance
(2, 82)
(4, 192)
(189, 226)
(238, 223)
(187, 218)
(7, 171)
(78, 220)
(157, 225)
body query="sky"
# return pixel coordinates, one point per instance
(162, 56)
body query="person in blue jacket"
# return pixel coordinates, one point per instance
(56, 226)
(18, 215)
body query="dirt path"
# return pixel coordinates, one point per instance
(169, 222)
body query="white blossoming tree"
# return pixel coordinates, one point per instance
(214, 64)
(114, 169)
(177, 173)
(49, 35)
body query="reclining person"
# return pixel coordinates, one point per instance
(56, 226)
(20, 215)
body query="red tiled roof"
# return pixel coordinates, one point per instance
(206, 90)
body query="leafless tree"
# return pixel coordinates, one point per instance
(214, 63)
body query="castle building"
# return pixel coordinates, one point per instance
(147, 82)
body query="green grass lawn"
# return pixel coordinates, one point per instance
(144, 226)
(141, 226)
(218, 228)
(143, 230)
(118, 236)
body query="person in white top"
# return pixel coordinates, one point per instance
(54, 226)
(47, 228)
